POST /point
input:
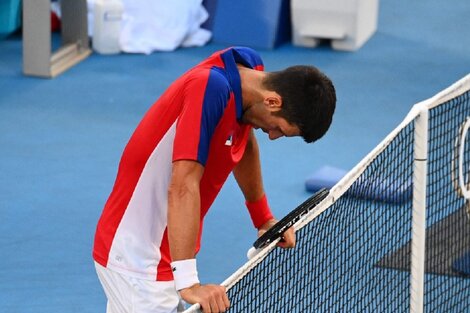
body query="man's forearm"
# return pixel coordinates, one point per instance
(248, 172)
(183, 222)
(184, 209)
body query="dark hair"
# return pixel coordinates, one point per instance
(308, 99)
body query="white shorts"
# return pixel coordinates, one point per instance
(128, 294)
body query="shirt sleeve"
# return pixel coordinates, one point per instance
(206, 93)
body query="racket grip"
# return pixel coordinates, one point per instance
(252, 252)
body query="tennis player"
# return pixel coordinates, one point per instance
(197, 133)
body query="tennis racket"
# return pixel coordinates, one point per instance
(289, 220)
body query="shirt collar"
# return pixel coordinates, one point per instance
(230, 58)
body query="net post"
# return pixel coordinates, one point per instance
(418, 243)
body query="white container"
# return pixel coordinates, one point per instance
(348, 23)
(107, 18)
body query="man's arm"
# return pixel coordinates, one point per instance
(184, 209)
(248, 171)
(248, 176)
(183, 227)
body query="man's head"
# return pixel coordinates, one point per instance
(308, 99)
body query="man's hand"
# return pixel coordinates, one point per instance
(212, 298)
(287, 239)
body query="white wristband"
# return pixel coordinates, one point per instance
(184, 273)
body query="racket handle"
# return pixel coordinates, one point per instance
(252, 252)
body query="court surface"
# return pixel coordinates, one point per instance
(61, 140)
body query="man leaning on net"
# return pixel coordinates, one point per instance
(197, 133)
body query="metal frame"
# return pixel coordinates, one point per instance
(38, 58)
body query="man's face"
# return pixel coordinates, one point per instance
(276, 127)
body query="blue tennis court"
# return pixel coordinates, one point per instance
(61, 141)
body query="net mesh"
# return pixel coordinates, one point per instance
(447, 224)
(355, 255)
(334, 265)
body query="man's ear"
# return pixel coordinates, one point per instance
(273, 101)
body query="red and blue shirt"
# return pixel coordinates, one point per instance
(197, 118)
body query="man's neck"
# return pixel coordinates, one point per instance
(251, 84)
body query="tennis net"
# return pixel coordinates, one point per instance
(389, 237)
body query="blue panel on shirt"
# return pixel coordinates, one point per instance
(247, 56)
(216, 97)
